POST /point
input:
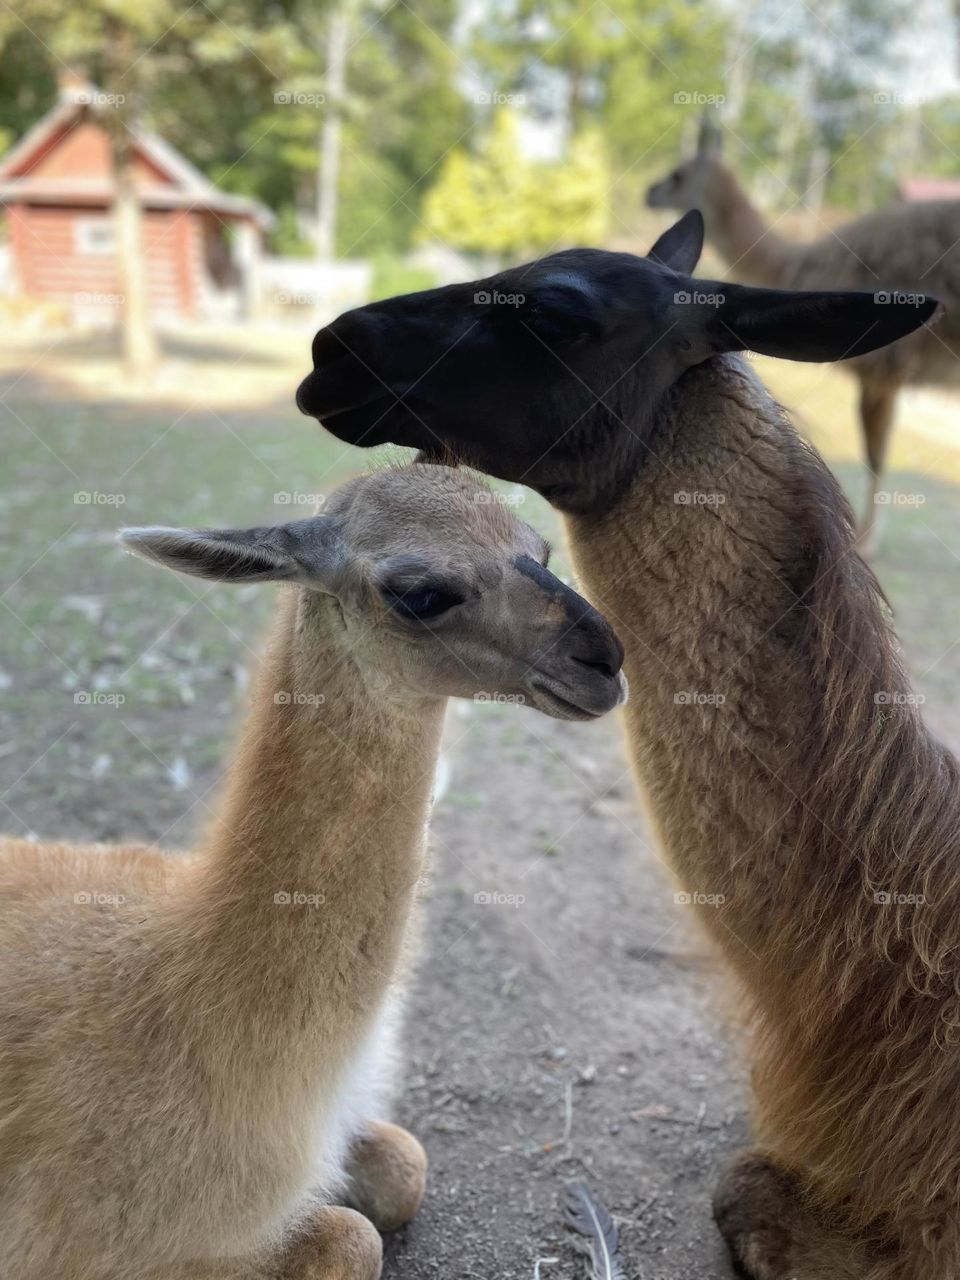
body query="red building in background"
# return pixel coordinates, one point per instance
(202, 244)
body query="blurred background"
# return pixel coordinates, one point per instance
(188, 190)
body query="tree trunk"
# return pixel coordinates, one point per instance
(119, 116)
(139, 340)
(328, 176)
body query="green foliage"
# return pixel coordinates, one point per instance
(635, 72)
(496, 201)
(401, 113)
(392, 276)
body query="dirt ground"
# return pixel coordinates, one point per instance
(567, 1032)
(569, 1026)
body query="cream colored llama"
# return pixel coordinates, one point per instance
(907, 248)
(194, 1051)
(792, 783)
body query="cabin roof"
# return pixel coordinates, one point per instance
(173, 183)
(930, 189)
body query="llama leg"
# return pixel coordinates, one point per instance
(877, 408)
(333, 1244)
(387, 1168)
(772, 1230)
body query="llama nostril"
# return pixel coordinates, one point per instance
(599, 664)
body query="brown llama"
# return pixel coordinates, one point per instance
(194, 1051)
(782, 757)
(911, 248)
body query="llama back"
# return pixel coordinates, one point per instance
(96, 1042)
(905, 248)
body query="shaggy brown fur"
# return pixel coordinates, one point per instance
(192, 1050)
(810, 796)
(906, 247)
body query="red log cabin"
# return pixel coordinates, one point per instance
(202, 245)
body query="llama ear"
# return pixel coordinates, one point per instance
(680, 247)
(306, 551)
(817, 326)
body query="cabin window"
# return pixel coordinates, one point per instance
(93, 235)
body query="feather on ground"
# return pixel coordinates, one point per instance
(595, 1232)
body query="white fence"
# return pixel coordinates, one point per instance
(298, 288)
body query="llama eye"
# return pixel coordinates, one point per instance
(553, 326)
(421, 603)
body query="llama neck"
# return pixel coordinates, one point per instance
(755, 253)
(308, 875)
(756, 652)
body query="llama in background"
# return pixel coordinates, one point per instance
(906, 248)
(193, 1050)
(791, 780)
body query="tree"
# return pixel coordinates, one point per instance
(401, 111)
(637, 71)
(130, 48)
(497, 202)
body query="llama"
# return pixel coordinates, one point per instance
(193, 1050)
(905, 247)
(790, 779)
